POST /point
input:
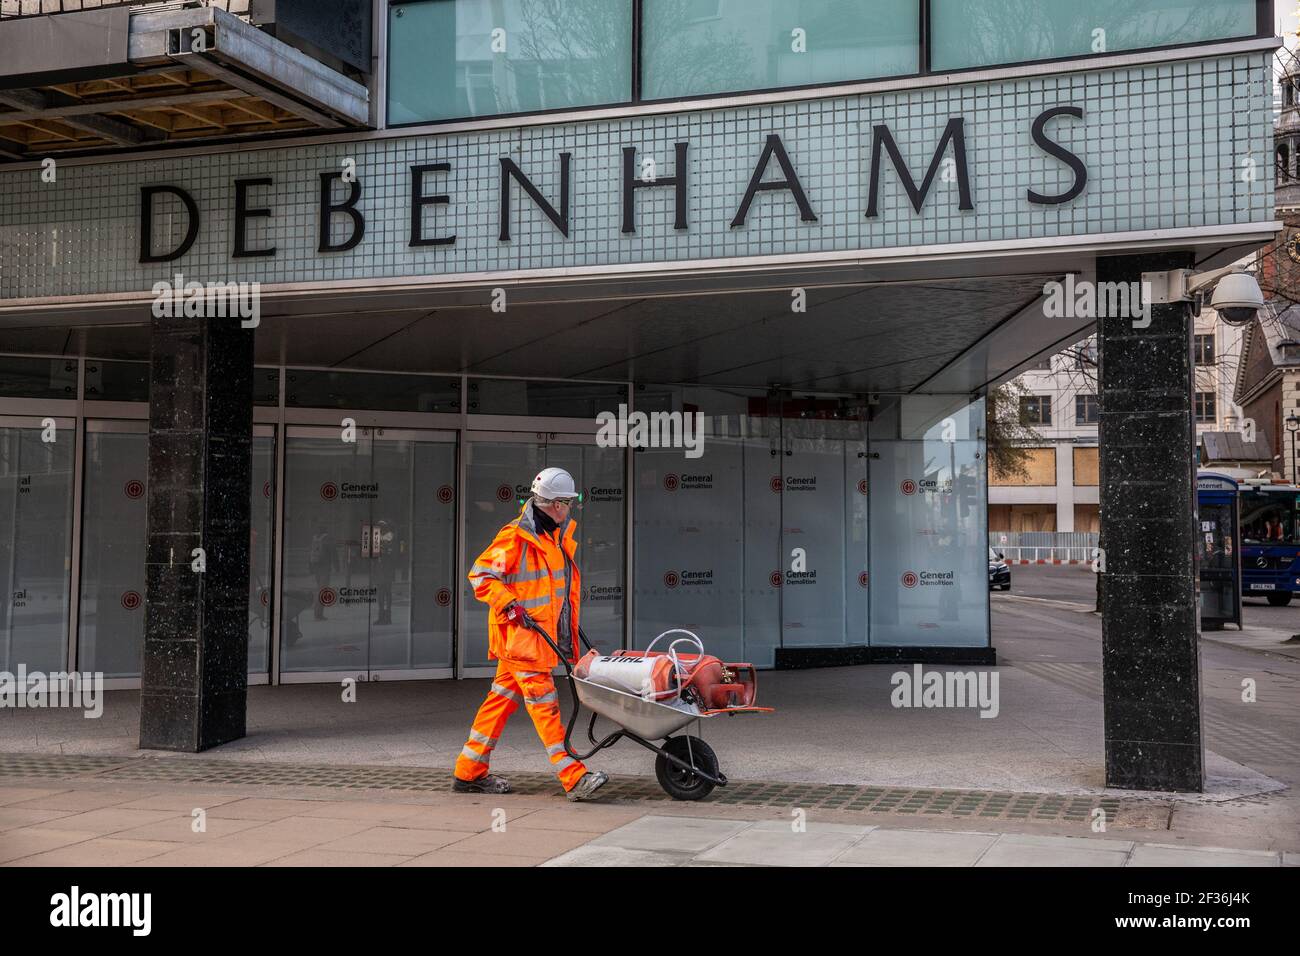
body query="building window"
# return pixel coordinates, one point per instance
(1085, 356)
(454, 59)
(1204, 349)
(695, 48)
(1205, 411)
(1086, 410)
(975, 33)
(1036, 409)
(1283, 162)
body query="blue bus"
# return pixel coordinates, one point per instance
(1270, 541)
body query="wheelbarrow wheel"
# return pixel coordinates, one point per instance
(682, 784)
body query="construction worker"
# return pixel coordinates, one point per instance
(528, 575)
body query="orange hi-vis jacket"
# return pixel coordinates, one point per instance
(522, 564)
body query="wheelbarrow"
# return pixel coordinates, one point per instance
(686, 766)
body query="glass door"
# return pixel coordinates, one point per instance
(823, 485)
(36, 463)
(369, 554)
(499, 470)
(110, 618)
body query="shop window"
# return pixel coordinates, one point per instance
(695, 48)
(1205, 408)
(1036, 410)
(456, 59)
(1204, 349)
(504, 396)
(266, 386)
(976, 33)
(1086, 410)
(37, 377)
(117, 381)
(312, 388)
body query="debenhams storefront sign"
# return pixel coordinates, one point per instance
(994, 162)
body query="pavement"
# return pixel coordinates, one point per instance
(838, 776)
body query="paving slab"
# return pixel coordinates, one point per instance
(464, 819)
(776, 843)
(579, 818)
(675, 834)
(32, 840)
(16, 794)
(592, 855)
(108, 820)
(1016, 849)
(26, 816)
(176, 830)
(1165, 854)
(517, 841)
(452, 858)
(264, 808)
(106, 851)
(883, 847)
(78, 800)
(394, 840)
(337, 858)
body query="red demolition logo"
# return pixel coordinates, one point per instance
(908, 486)
(131, 600)
(670, 579)
(909, 579)
(504, 492)
(327, 597)
(671, 482)
(329, 491)
(134, 488)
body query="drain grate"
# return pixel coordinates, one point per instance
(976, 804)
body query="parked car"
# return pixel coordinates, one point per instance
(999, 571)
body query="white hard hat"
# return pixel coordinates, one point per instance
(552, 483)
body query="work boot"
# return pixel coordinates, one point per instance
(489, 784)
(587, 785)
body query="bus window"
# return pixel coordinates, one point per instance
(1270, 518)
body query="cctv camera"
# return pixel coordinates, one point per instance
(1237, 298)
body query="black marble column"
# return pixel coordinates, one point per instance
(194, 686)
(1150, 654)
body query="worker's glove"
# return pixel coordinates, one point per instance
(517, 615)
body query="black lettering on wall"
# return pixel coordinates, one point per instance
(243, 214)
(511, 171)
(1059, 152)
(348, 208)
(790, 182)
(419, 200)
(146, 223)
(631, 183)
(955, 132)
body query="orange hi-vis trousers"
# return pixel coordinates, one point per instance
(536, 691)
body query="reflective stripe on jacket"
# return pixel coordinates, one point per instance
(521, 564)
